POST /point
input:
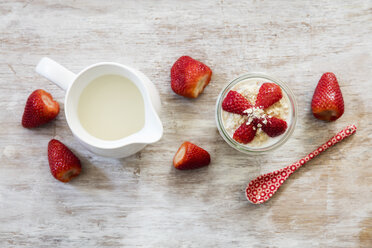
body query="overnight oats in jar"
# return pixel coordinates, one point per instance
(256, 113)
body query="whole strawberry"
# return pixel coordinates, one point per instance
(327, 103)
(40, 108)
(189, 77)
(63, 164)
(190, 156)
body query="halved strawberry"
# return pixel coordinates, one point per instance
(63, 164)
(190, 156)
(272, 126)
(245, 133)
(268, 94)
(327, 103)
(234, 102)
(189, 77)
(40, 108)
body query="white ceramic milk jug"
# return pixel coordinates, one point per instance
(74, 84)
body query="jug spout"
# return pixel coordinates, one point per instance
(153, 128)
(151, 135)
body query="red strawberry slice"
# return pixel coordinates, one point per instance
(272, 126)
(190, 156)
(40, 108)
(63, 164)
(234, 102)
(268, 94)
(327, 103)
(245, 133)
(189, 77)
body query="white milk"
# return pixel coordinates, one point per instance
(111, 107)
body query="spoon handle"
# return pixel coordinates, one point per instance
(344, 133)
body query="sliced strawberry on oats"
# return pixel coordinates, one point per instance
(272, 126)
(245, 133)
(268, 94)
(235, 103)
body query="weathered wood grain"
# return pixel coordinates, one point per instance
(141, 201)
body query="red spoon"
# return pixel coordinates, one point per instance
(264, 187)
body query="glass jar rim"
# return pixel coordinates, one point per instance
(251, 150)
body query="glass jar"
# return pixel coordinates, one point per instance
(292, 114)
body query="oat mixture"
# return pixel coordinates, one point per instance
(249, 89)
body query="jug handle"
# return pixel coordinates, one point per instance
(55, 72)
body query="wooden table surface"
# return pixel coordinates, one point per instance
(142, 201)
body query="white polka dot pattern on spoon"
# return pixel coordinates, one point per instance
(263, 187)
